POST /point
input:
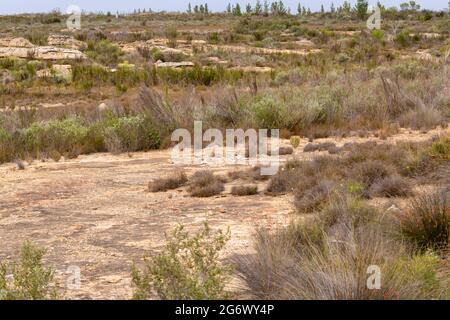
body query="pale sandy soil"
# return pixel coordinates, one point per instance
(95, 212)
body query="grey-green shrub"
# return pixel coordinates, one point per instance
(31, 280)
(188, 268)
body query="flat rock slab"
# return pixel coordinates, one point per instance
(42, 53)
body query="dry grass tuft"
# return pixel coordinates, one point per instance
(370, 171)
(174, 181)
(329, 257)
(393, 186)
(204, 184)
(244, 190)
(427, 223)
(251, 174)
(313, 198)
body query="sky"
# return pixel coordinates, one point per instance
(31, 6)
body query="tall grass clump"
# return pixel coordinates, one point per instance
(329, 258)
(426, 225)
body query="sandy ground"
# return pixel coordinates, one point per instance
(95, 212)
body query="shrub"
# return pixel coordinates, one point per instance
(311, 147)
(282, 182)
(322, 266)
(268, 112)
(158, 55)
(174, 181)
(422, 118)
(427, 223)
(104, 52)
(204, 184)
(314, 197)
(403, 39)
(346, 210)
(328, 258)
(213, 37)
(295, 141)
(285, 151)
(31, 280)
(378, 34)
(187, 269)
(370, 171)
(440, 150)
(6, 146)
(251, 174)
(37, 38)
(244, 190)
(87, 76)
(425, 269)
(392, 186)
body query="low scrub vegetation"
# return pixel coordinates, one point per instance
(204, 184)
(329, 258)
(246, 190)
(188, 268)
(30, 279)
(73, 136)
(174, 181)
(426, 225)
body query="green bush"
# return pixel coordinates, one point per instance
(104, 52)
(6, 148)
(187, 269)
(31, 280)
(73, 136)
(64, 136)
(87, 76)
(411, 69)
(378, 34)
(424, 269)
(37, 38)
(441, 149)
(133, 133)
(402, 38)
(268, 112)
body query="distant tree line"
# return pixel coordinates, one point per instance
(278, 8)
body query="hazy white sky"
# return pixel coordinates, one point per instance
(22, 6)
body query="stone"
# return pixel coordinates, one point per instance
(42, 53)
(70, 42)
(160, 64)
(253, 69)
(15, 42)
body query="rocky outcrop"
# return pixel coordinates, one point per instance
(59, 40)
(160, 64)
(15, 42)
(253, 69)
(42, 53)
